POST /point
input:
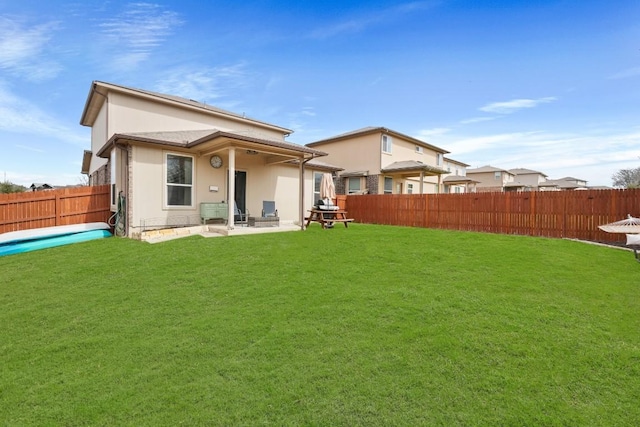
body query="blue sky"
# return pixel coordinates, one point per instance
(547, 85)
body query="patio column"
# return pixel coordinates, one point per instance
(232, 187)
(301, 195)
(421, 182)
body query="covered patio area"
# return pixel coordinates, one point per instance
(412, 169)
(167, 176)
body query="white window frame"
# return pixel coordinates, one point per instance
(409, 188)
(497, 175)
(419, 149)
(439, 159)
(166, 184)
(387, 144)
(317, 179)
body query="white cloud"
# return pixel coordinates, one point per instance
(466, 145)
(22, 49)
(206, 84)
(630, 72)
(362, 22)
(35, 150)
(20, 116)
(308, 112)
(298, 122)
(478, 119)
(509, 107)
(593, 156)
(428, 133)
(138, 30)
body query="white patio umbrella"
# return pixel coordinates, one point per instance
(327, 188)
(630, 225)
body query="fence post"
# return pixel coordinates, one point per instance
(58, 210)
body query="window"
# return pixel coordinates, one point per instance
(317, 178)
(440, 159)
(386, 144)
(497, 175)
(179, 180)
(419, 149)
(409, 188)
(354, 185)
(388, 185)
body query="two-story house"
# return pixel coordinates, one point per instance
(457, 181)
(490, 178)
(528, 177)
(568, 183)
(166, 155)
(378, 160)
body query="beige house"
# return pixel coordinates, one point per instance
(457, 181)
(166, 157)
(569, 183)
(377, 160)
(490, 178)
(531, 179)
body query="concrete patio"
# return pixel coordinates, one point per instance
(212, 230)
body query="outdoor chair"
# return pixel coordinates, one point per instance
(269, 211)
(240, 217)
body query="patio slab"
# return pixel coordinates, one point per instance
(211, 230)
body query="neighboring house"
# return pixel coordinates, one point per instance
(457, 181)
(490, 178)
(528, 178)
(568, 183)
(167, 154)
(548, 185)
(39, 186)
(377, 160)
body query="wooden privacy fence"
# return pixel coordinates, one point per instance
(23, 211)
(561, 214)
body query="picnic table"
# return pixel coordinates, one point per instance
(326, 217)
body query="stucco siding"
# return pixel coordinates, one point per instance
(403, 150)
(264, 182)
(530, 179)
(98, 139)
(360, 153)
(487, 179)
(132, 114)
(148, 187)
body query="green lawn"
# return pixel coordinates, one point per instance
(370, 325)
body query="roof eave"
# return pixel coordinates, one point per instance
(86, 162)
(307, 153)
(379, 129)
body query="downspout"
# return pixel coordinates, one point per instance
(124, 173)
